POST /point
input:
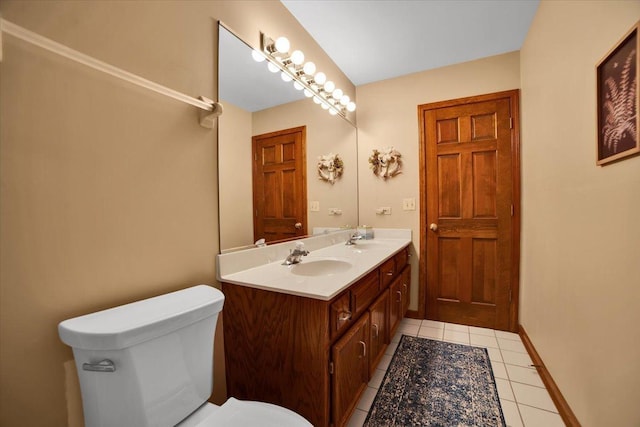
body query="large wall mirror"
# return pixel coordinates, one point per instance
(258, 102)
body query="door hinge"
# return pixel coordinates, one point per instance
(512, 210)
(331, 368)
(510, 122)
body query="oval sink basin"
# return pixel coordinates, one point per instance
(320, 267)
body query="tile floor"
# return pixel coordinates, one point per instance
(525, 401)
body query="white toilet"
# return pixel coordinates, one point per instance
(150, 364)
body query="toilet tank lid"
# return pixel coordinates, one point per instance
(126, 325)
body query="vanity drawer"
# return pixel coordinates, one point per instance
(402, 258)
(387, 272)
(364, 292)
(340, 314)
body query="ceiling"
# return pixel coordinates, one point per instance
(372, 40)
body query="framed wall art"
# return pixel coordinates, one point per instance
(617, 100)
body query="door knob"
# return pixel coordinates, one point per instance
(298, 225)
(433, 226)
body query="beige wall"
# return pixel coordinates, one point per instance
(109, 191)
(388, 116)
(580, 275)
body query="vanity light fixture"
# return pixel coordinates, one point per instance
(293, 67)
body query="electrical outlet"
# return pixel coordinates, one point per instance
(409, 204)
(314, 206)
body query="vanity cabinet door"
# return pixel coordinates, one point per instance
(378, 335)
(395, 306)
(406, 290)
(350, 370)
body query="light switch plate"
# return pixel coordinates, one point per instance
(409, 204)
(314, 206)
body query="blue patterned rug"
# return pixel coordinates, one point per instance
(436, 383)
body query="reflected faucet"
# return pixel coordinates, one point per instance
(296, 254)
(352, 239)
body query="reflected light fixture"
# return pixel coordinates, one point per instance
(303, 74)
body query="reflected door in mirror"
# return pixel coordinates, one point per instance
(279, 185)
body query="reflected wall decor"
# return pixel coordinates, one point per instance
(617, 94)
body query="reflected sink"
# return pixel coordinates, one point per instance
(320, 267)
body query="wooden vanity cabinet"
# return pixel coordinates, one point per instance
(312, 356)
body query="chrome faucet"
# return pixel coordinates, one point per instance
(296, 254)
(352, 239)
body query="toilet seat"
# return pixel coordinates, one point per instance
(244, 413)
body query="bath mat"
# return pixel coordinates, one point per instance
(436, 383)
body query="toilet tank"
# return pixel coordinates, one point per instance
(148, 363)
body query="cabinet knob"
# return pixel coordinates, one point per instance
(298, 225)
(344, 316)
(433, 226)
(399, 296)
(375, 327)
(390, 273)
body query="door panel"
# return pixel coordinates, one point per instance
(468, 193)
(279, 185)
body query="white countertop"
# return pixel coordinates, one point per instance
(260, 270)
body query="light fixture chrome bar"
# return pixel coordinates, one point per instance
(283, 62)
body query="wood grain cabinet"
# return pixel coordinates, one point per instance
(312, 356)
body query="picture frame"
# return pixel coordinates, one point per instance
(617, 100)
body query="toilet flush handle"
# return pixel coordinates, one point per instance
(105, 365)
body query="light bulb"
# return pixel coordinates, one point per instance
(351, 106)
(285, 77)
(297, 57)
(332, 101)
(333, 112)
(320, 78)
(345, 99)
(272, 67)
(282, 45)
(337, 94)
(309, 68)
(308, 93)
(316, 100)
(257, 56)
(324, 106)
(329, 86)
(298, 86)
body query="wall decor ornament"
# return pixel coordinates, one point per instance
(386, 163)
(617, 104)
(330, 167)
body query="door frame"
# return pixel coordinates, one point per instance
(514, 104)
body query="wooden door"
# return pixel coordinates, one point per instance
(471, 179)
(279, 185)
(350, 370)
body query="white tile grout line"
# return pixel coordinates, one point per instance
(413, 323)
